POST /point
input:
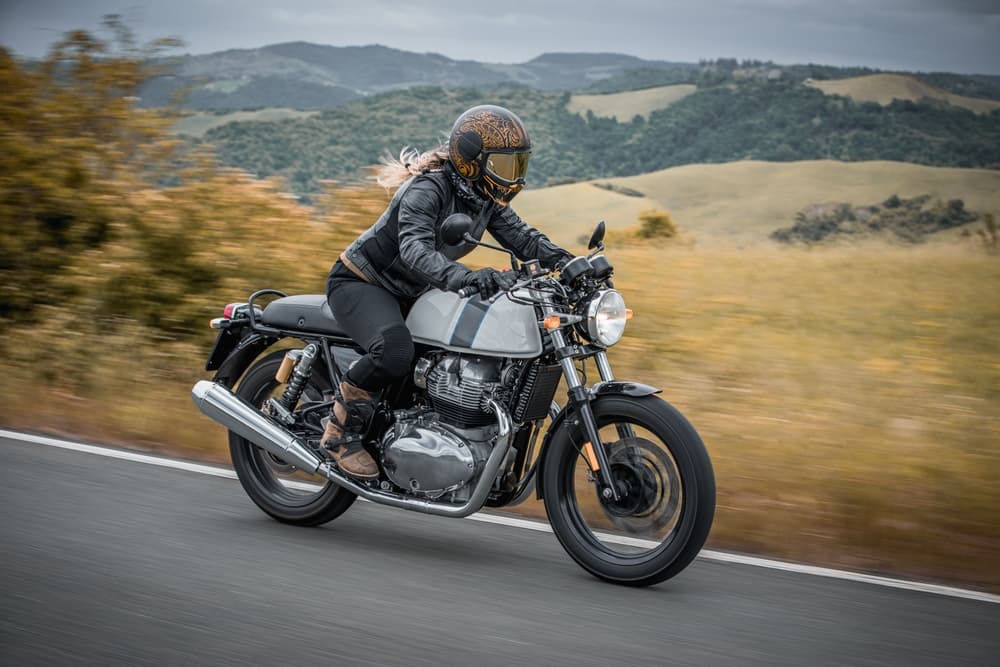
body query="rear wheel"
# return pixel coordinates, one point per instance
(666, 492)
(283, 491)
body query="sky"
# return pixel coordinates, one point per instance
(917, 35)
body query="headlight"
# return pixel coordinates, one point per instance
(606, 317)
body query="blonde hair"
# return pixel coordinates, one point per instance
(397, 170)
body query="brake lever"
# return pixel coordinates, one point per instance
(514, 287)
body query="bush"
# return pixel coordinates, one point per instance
(656, 224)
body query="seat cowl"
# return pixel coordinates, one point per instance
(304, 312)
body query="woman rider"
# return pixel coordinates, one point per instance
(377, 278)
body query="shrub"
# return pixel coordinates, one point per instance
(656, 224)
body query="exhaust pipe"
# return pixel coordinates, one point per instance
(225, 407)
(228, 409)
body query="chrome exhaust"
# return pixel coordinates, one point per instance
(225, 407)
(228, 409)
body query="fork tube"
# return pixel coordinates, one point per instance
(579, 399)
(604, 368)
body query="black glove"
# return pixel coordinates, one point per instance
(563, 261)
(490, 281)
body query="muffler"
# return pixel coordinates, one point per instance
(225, 407)
(228, 409)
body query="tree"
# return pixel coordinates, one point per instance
(73, 143)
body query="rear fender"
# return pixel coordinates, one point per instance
(240, 359)
(559, 422)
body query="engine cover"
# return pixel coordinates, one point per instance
(427, 458)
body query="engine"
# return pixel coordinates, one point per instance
(458, 386)
(440, 449)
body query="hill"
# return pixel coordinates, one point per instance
(884, 88)
(316, 76)
(197, 124)
(750, 120)
(743, 202)
(624, 106)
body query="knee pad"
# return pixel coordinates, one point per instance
(393, 353)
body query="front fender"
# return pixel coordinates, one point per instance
(613, 387)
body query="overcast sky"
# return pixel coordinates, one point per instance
(927, 35)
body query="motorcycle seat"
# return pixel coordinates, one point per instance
(303, 312)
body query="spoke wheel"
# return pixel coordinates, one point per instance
(280, 489)
(665, 486)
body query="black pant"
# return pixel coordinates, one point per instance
(374, 319)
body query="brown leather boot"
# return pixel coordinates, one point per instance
(344, 428)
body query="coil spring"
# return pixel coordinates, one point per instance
(300, 376)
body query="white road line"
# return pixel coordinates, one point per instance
(707, 554)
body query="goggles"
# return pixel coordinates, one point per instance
(507, 168)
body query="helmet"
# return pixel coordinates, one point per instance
(489, 147)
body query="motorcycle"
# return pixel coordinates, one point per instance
(627, 484)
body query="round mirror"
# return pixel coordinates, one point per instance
(596, 237)
(455, 227)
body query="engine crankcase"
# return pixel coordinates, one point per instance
(428, 459)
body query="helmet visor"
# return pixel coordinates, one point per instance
(508, 167)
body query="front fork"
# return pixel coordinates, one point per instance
(579, 400)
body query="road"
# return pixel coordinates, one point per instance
(112, 562)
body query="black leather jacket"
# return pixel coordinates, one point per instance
(403, 251)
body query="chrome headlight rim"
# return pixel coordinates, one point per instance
(604, 304)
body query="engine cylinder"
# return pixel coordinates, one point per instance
(459, 386)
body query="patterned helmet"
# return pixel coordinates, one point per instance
(489, 146)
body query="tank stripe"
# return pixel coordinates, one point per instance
(469, 322)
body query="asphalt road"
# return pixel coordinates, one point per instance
(111, 562)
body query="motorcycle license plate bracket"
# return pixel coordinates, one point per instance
(224, 344)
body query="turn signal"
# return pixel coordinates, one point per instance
(588, 452)
(552, 322)
(628, 313)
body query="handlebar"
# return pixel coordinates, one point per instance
(468, 291)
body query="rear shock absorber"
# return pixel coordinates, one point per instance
(300, 376)
(296, 368)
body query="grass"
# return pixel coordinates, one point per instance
(197, 124)
(849, 396)
(740, 203)
(884, 88)
(627, 105)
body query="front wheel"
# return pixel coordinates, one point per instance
(665, 484)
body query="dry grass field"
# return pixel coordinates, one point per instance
(742, 202)
(197, 124)
(625, 106)
(884, 88)
(849, 396)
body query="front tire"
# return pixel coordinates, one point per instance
(666, 492)
(283, 491)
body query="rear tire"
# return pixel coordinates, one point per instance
(280, 490)
(667, 490)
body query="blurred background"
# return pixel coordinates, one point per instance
(811, 250)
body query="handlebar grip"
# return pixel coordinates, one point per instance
(468, 291)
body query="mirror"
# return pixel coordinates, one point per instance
(455, 227)
(596, 238)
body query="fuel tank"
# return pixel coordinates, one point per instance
(500, 329)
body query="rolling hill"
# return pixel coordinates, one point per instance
(743, 202)
(884, 88)
(751, 120)
(624, 106)
(197, 124)
(316, 76)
